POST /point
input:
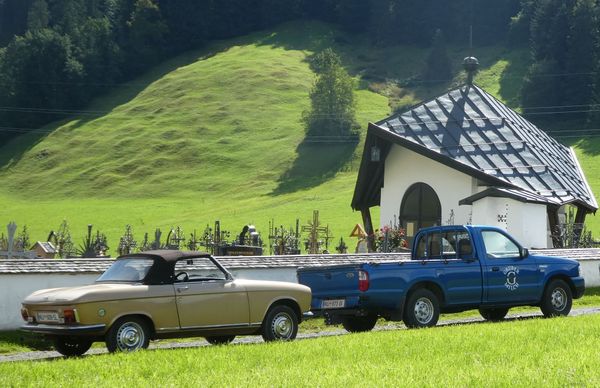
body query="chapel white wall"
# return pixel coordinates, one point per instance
(526, 222)
(403, 168)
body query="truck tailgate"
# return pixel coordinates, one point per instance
(332, 286)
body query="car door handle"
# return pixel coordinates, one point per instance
(495, 269)
(182, 288)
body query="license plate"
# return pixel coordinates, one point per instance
(47, 316)
(333, 303)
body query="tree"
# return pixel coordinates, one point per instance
(438, 66)
(147, 31)
(581, 53)
(332, 98)
(353, 15)
(38, 15)
(539, 88)
(39, 71)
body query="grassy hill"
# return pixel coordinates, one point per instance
(216, 134)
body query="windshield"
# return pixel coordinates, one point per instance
(127, 270)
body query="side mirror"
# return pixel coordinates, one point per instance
(523, 253)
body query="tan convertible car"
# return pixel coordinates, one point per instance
(164, 294)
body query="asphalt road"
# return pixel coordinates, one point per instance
(46, 355)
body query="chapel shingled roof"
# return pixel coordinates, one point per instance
(469, 130)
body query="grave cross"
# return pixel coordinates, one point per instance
(12, 228)
(315, 230)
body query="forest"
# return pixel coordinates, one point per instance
(56, 55)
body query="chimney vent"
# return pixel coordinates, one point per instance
(470, 64)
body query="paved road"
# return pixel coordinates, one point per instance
(46, 355)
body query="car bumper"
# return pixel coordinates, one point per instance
(64, 330)
(579, 284)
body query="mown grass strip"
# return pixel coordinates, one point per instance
(548, 352)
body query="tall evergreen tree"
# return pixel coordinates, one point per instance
(332, 98)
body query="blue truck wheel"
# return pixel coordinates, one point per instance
(557, 299)
(422, 309)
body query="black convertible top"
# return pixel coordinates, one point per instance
(164, 263)
(168, 255)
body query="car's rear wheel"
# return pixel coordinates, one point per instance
(71, 346)
(422, 309)
(359, 324)
(219, 339)
(128, 334)
(493, 314)
(281, 323)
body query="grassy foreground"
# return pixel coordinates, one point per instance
(548, 352)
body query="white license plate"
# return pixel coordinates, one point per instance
(333, 303)
(47, 316)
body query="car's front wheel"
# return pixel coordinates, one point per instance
(72, 346)
(128, 334)
(219, 339)
(557, 299)
(281, 323)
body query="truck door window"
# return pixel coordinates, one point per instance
(498, 245)
(435, 245)
(463, 245)
(421, 244)
(448, 244)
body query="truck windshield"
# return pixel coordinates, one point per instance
(498, 245)
(127, 270)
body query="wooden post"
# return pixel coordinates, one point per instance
(366, 216)
(578, 227)
(553, 221)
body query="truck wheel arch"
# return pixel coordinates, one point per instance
(431, 286)
(564, 278)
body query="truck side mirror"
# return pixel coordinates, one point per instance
(523, 253)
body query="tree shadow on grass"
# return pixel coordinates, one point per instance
(315, 164)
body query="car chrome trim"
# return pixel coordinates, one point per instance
(228, 326)
(62, 329)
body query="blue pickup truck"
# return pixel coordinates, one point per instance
(451, 269)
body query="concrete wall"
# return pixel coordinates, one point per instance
(15, 287)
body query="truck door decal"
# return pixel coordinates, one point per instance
(511, 273)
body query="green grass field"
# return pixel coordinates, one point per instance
(539, 352)
(216, 134)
